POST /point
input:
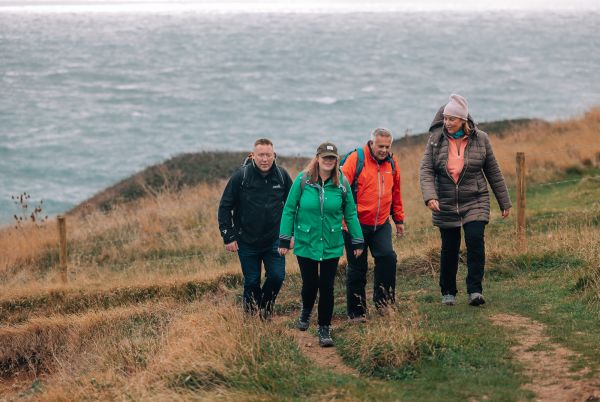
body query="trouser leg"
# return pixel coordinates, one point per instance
(250, 260)
(384, 278)
(310, 282)
(274, 274)
(449, 260)
(475, 242)
(326, 283)
(356, 280)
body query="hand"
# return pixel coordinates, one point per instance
(434, 205)
(358, 252)
(233, 246)
(282, 251)
(399, 229)
(505, 213)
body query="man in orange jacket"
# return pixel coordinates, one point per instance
(377, 192)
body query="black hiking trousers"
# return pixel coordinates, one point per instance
(474, 240)
(379, 241)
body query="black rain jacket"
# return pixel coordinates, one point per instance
(251, 206)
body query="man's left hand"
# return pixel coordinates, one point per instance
(399, 229)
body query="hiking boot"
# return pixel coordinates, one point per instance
(303, 320)
(448, 300)
(325, 336)
(476, 299)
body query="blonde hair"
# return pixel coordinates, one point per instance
(312, 171)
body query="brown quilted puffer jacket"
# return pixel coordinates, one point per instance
(468, 199)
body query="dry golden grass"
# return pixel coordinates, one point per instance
(205, 347)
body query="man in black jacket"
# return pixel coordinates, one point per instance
(249, 216)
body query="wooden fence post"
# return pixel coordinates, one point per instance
(521, 235)
(62, 252)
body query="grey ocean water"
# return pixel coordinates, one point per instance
(90, 98)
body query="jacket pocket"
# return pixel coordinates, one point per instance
(302, 232)
(335, 237)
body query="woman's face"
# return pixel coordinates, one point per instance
(327, 163)
(453, 124)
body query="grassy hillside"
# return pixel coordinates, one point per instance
(152, 307)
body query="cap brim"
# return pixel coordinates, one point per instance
(328, 154)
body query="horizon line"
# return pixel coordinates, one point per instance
(160, 7)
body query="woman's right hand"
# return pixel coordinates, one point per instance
(434, 205)
(283, 251)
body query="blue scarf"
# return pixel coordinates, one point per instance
(458, 134)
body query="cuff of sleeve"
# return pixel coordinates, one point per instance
(284, 243)
(230, 239)
(358, 244)
(399, 221)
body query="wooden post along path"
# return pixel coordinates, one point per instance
(62, 252)
(521, 229)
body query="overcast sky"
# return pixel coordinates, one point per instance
(301, 5)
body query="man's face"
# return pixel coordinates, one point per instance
(264, 156)
(381, 147)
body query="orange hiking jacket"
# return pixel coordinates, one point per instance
(378, 191)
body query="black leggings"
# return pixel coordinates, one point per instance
(313, 282)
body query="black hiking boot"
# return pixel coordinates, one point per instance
(325, 336)
(303, 320)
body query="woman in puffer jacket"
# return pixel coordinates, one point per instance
(318, 200)
(455, 171)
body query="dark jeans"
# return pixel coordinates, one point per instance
(379, 242)
(474, 239)
(314, 281)
(251, 258)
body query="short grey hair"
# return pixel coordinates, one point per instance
(381, 132)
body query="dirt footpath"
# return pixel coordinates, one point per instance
(548, 365)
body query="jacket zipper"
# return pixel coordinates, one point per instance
(322, 197)
(378, 195)
(465, 167)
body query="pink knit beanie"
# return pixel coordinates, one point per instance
(457, 107)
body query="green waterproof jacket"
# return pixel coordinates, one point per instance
(313, 215)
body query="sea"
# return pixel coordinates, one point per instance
(93, 93)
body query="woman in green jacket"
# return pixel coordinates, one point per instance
(318, 201)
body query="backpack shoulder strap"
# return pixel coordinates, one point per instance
(280, 174)
(303, 182)
(391, 159)
(360, 162)
(343, 183)
(244, 174)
